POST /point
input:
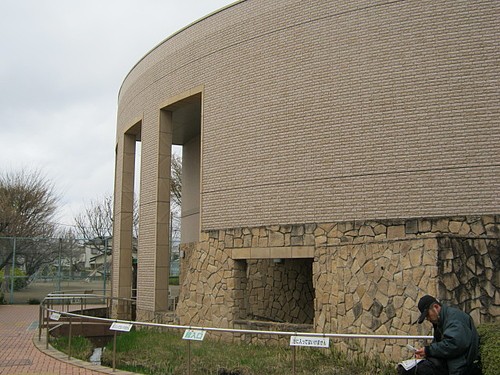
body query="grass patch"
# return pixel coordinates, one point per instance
(149, 351)
(81, 347)
(153, 352)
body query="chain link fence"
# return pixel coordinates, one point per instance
(30, 268)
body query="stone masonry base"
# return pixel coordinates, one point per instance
(349, 277)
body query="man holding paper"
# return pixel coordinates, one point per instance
(455, 347)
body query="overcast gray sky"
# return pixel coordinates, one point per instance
(61, 65)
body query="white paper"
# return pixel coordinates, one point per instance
(409, 363)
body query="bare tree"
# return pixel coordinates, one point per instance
(37, 252)
(96, 222)
(70, 250)
(176, 180)
(28, 206)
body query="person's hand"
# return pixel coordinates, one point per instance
(420, 353)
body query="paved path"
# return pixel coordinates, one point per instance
(22, 353)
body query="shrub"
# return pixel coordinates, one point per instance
(490, 347)
(19, 278)
(173, 280)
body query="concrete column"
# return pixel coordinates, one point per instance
(153, 253)
(123, 222)
(190, 215)
(162, 229)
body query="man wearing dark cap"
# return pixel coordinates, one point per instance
(455, 347)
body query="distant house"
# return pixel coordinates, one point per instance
(86, 256)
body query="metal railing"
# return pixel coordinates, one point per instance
(47, 309)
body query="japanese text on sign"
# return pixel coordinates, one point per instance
(311, 341)
(55, 316)
(125, 327)
(194, 334)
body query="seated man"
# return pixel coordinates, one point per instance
(455, 347)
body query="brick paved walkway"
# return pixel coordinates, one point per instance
(22, 353)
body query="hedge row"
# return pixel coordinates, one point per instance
(490, 347)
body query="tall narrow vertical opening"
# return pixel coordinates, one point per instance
(186, 136)
(136, 213)
(124, 239)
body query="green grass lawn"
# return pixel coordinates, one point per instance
(152, 352)
(149, 351)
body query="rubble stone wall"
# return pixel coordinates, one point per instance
(212, 284)
(469, 276)
(373, 287)
(366, 276)
(280, 290)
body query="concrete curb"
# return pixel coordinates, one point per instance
(62, 357)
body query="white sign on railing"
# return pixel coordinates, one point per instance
(55, 316)
(194, 334)
(124, 327)
(311, 341)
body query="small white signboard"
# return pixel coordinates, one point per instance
(124, 327)
(194, 334)
(311, 341)
(55, 316)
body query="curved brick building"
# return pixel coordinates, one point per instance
(340, 159)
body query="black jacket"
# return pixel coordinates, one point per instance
(455, 340)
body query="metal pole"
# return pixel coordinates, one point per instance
(189, 357)
(111, 276)
(40, 323)
(294, 351)
(104, 266)
(69, 339)
(47, 327)
(59, 266)
(114, 350)
(12, 274)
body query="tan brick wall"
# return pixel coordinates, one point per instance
(334, 110)
(321, 112)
